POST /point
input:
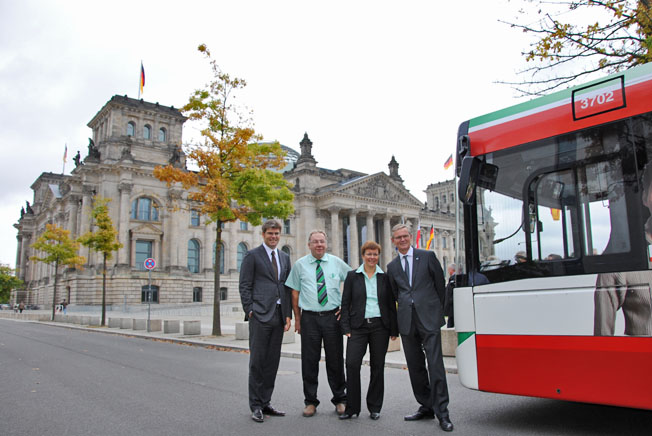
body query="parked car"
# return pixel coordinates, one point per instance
(5, 307)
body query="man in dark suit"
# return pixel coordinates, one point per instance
(417, 280)
(267, 304)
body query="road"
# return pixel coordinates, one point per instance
(62, 381)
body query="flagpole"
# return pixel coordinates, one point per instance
(65, 155)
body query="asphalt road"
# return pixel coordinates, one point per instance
(61, 381)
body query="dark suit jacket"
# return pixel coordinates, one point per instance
(427, 291)
(259, 289)
(354, 300)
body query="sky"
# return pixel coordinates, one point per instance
(367, 80)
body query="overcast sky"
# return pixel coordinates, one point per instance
(365, 79)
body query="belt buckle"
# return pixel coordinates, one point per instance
(369, 320)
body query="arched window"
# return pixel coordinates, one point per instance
(144, 209)
(147, 132)
(221, 257)
(242, 250)
(162, 134)
(286, 250)
(131, 128)
(193, 256)
(146, 296)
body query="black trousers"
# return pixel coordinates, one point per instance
(429, 386)
(318, 327)
(376, 336)
(265, 339)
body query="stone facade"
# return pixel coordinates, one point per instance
(130, 138)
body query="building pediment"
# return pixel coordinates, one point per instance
(377, 186)
(147, 229)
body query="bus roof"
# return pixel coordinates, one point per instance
(600, 101)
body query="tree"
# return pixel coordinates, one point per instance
(8, 281)
(104, 240)
(58, 249)
(577, 38)
(235, 179)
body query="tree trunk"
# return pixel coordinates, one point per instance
(54, 291)
(103, 323)
(217, 329)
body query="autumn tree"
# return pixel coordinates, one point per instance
(8, 281)
(576, 38)
(57, 249)
(104, 240)
(237, 176)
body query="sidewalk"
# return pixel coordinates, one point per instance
(227, 342)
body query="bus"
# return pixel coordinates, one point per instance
(556, 193)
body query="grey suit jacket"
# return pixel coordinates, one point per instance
(259, 289)
(426, 293)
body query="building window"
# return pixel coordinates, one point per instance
(143, 252)
(144, 209)
(224, 293)
(286, 227)
(162, 134)
(244, 225)
(287, 251)
(193, 256)
(242, 250)
(436, 203)
(443, 199)
(147, 132)
(194, 218)
(221, 257)
(196, 295)
(452, 198)
(131, 128)
(149, 297)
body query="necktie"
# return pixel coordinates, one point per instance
(322, 295)
(406, 268)
(274, 265)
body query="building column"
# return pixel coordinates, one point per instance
(88, 191)
(370, 227)
(335, 236)
(354, 256)
(123, 223)
(387, 237)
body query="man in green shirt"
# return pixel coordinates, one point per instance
(316, 297)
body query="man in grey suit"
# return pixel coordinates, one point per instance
(267, 304)
(417, 280)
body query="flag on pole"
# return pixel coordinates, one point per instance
(418, 236)
(432, 236)
(141, 85)
(65, 153)
(449, 162)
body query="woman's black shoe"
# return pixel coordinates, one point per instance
(347, 415)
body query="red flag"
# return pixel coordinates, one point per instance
(418, 237)
(432, 236)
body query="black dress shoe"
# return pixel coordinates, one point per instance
(347, 415)
(269, 410)
(418, 416)
(374, 415)
(446, 424)
(257, 415)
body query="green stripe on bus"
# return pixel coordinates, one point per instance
(631, 75)
(463, 336)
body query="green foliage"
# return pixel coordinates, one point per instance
(581, 37)
(8, 281)
(238, 176)
(57, 248)
(104, 239)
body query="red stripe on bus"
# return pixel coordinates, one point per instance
(556, 121)
(592, 369)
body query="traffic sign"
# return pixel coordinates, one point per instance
(150, 263)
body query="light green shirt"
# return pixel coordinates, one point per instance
(371, 309)
(303, 278)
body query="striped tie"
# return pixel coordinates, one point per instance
(322, 295)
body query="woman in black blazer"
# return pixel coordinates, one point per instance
(368, 318)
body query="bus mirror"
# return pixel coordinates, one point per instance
(474, 173)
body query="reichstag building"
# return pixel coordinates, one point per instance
(130, 137)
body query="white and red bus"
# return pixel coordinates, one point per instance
(557, 299)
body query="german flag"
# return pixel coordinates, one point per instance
(449, 162)
(142, 79)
